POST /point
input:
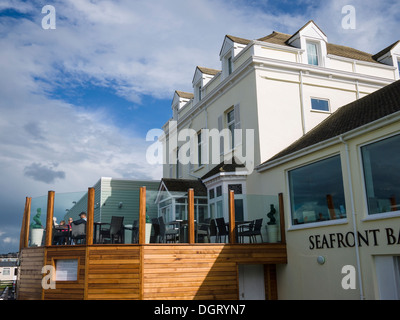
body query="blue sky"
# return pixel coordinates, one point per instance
(76, 102)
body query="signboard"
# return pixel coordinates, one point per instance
(67, 270)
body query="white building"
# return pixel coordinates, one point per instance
(281, 86)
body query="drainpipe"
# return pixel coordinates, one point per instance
(303, 126)
(353, 214)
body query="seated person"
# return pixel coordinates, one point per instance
(82, 219)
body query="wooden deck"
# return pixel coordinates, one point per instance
(152, 271)
(145, 271)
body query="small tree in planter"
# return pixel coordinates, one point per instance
(36, 233)
(272, 227)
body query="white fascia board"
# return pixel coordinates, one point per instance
(220, 176)
(260, 61)
(277, 46)
(367, 63)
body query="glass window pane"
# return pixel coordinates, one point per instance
(237, 188)
(211, 193)
(230, 117)
(219, 191)
(220, 212)
(312, 53)
(316, 192)
(381, 164)
(239, 216)
(212, 211)
(398, 66)
(320, 104)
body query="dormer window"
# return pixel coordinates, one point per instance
(312, 53)
(230, 65)
(199, 92)
(398, 66)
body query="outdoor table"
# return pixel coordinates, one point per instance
(97, 229)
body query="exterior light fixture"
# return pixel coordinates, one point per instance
(321, 260)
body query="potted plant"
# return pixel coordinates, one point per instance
(272, 227)
(36, 232)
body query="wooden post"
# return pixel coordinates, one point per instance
(90, 217)
(27, 222)
(23, 225)
(232, 233)
(282, 218)
(191, 216)
(142, 215)
(49, 218)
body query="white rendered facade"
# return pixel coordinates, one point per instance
(270, 85)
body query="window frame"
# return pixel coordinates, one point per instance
(316, 224)
(320, 99)
(381, 215)
(230, 124)
(199, 148)
(398, 67)
(318, 53)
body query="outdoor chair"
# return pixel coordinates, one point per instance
(167, 235)
(155, 237)
(257, 230)
(115, 232)
(203, 232)
(245, 231)
(78, 233)
(135, 231)
(254, 230)
(222, 228)
(213, 229)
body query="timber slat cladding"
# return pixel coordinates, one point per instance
(30, 276)
(114, 272)
(157, 272)
(200, 272)
(67, 290)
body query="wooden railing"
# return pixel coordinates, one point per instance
(142, 218)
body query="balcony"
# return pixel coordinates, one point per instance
(188, 261)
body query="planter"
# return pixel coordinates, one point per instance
(272, 232)
(36, 237)
(148, 232)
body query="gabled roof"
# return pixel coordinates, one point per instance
(386, 50)
(202, 70)
(305, 26)
(185, 95)
(238, 40)
(183, 185)
(356, 114)
(209, 71)
(334, 49)
(223, 167)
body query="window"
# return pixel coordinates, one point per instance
(66, 269)
(199, 93)
(199, 146)
(178, 165)
(6, 271)
(381, 165)
(215, 202)
(316, 192)
(239, 207)
(230, 120)
(229, 65)
(398, 66)
(319, 104)
(388, 276)
(312, 53)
